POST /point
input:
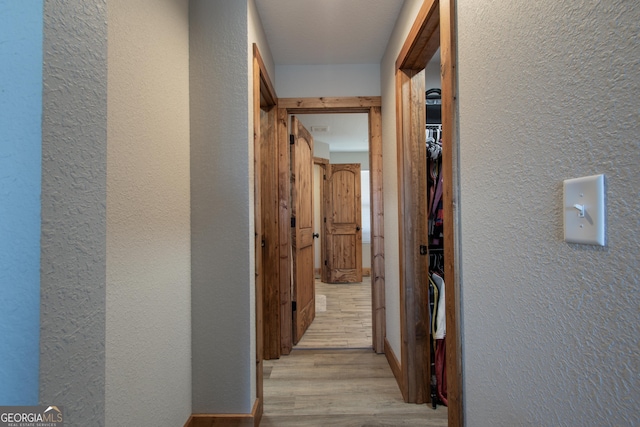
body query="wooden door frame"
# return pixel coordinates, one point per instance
(371, 106)
(265, 220)
(433, 28)
(323, 164)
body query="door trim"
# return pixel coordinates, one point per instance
(372, 106)
(323, 164)
(435, 27)
(264, 99)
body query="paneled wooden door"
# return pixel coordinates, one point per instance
(343, 220)
(303, 298)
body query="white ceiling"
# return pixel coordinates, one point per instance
(323, 32)
(313, 32)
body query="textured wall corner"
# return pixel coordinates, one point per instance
(404, 22)
(148, 322)
(73, 259)
(221, 215)
(548, 91)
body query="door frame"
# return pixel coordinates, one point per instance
(323, 164)
(330, 105)
(265, 220)
(433, 28)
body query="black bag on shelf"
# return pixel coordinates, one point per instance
(433, 103)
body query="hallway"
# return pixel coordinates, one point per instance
(332, 378)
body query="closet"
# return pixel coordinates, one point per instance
(435, 249)
(434, 29)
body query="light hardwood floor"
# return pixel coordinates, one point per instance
(345, 321)
(333, 377)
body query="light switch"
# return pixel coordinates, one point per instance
(584, 210)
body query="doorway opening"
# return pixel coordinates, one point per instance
(342, 232)
(370, 106)
(433, 29)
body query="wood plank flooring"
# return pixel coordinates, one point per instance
(333, 377)
(344, 320)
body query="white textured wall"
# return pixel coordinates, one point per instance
(300, 81)
(74, 196)
(223, 333)
(390, 172)
(148, 323)
(366, 255)
(20, 176)
(321, 149)
(257, 35)
(548, 91)
(432, 73)
(361, 157)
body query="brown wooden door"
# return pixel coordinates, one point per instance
(342, 224)
(303, 298)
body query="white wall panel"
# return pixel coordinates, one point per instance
(548, 91)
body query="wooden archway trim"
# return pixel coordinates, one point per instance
(423, 39)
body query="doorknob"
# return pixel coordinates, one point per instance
(316, 235)
(357, 228)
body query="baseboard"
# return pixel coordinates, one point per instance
(394, 364)
(228, 420)
(257, 412)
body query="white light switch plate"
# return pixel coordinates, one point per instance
(584, 210)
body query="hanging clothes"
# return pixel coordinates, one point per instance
(434, 293)
(441, 321)
(435, 215)
(439, 338)
(441, 371)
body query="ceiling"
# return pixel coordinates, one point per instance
(316, 32)
(327, 32)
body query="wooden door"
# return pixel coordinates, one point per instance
(303, 297)
(343, 220)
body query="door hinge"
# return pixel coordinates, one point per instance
(293, 222)
(292, 139)
(325, 262)
(294, 306)
(423, 250)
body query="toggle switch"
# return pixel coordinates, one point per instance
(584, 210)
(580, 210)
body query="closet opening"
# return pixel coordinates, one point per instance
(433, 29)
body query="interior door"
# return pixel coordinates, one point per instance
(303, 295)
(342, 224)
